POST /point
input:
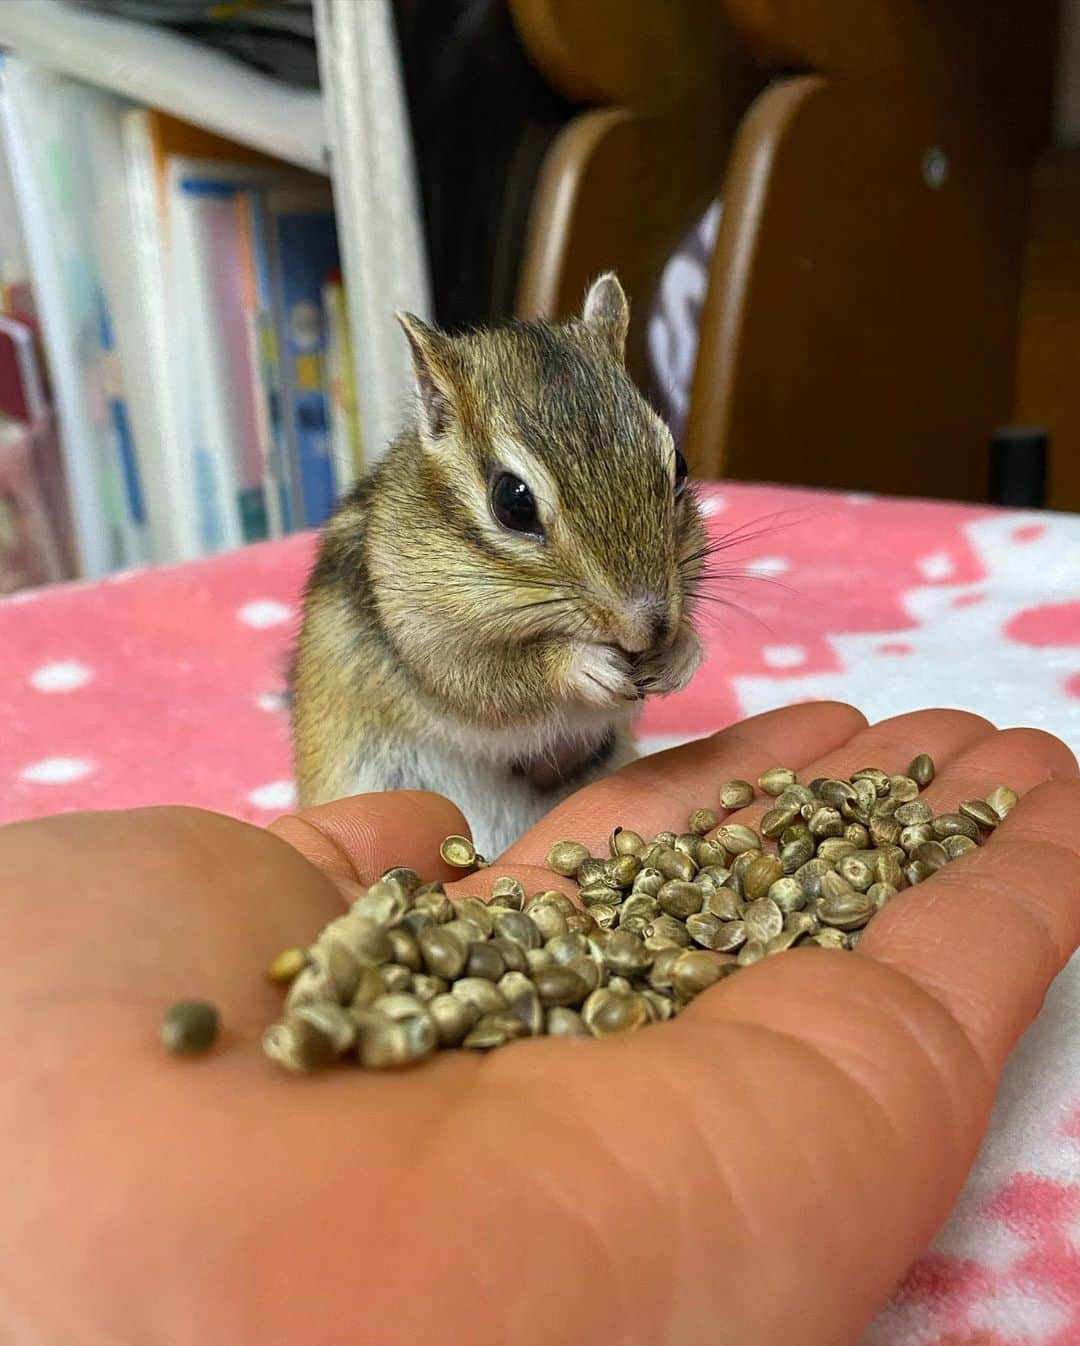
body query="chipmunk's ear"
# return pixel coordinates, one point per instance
(431, 365)
(607, 313)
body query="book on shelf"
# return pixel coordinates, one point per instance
(153, 140)
(303, 249)
(226, 360)
(191, 305)
(347, 445)
(55, 133)
(266, 355)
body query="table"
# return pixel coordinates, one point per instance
(166, 685)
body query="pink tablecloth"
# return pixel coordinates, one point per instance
(164, 685)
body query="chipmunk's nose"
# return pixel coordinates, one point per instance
(646, 626)
(659, 630)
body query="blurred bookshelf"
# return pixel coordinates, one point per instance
(202, 271)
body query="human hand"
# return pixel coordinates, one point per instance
(760, 1170)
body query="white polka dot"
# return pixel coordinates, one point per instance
(270, 701)
(937, 566)
(859, 498)
(23, 596)
(56, 770)
(784, 656)
(713, 504)
(1019, 1314)
(768, 565)
(264, 612)
(279, 794)
(122, 576)
(63, 676)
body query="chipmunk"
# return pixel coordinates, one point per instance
(493, 601)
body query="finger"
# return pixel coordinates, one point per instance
(659, 791)
(160, 904)
(361, 837)
(1019, 758)
(987, 934)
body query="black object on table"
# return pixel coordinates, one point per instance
(1018, 456)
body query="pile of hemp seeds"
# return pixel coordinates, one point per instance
(407, 972)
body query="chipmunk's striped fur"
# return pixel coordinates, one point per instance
(440, 650)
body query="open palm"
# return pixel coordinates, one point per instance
(761, 1169)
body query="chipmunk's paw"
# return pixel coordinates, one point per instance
(599, 675)
(670, 670)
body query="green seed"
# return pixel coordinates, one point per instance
(559, 986)
(625, 842)
(680, 899)
(736, 838)
(607, 1012)
(980, 812)
(836, 793)
(624, 871)
(954, 824)
(763, 919)
(458, 852)
(916, 811)
(693, 972)
(592, 872)
(190, 1027)
(736, 794)
(921, 770)
(702, 821)
(443, 950)
(958, 846)
(777, 820)
(881, 780)
(565, 857)
(287, 965)
(932, 854)
(788, 894)
(776, 780)
(494, 1030)
(508, 892)
(845, 911)
(565, 1023)
(1002, 800)
(760, 875)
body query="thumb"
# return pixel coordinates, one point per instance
(358, 838)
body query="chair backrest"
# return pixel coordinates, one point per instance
(623, 181)
(860, 323)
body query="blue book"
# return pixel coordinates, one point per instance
(279, 481)
(304, 251)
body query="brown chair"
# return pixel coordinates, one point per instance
(1047, 388)
(625, 179)
(860, 327)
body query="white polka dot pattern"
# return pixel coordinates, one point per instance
(279, 794)
(264, 612)
(56, 770)
(66, 675)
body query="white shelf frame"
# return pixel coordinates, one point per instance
(153, 66)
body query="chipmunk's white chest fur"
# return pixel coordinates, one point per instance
(476, 769)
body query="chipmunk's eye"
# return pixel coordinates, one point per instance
(681, 473)
(513, 505)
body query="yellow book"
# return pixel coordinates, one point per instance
(344, 411)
